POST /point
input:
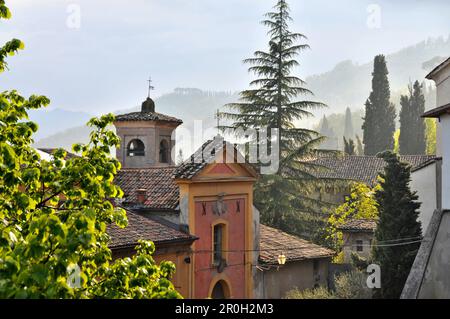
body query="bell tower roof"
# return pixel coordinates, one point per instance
(148, 106)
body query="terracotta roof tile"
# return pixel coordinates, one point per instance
(162, 192)
(146, 116)
(359, 225)
(142, 228)
(197, 161)
(273, 242)
(362, 168)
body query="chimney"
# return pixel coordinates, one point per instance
(141, 195)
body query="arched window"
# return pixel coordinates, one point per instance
(163, 152)
(220, 290)
(136, 148)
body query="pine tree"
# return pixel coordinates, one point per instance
(379, 120)
(412, 126)
(348, 129)
(272, 101)
(398, 213)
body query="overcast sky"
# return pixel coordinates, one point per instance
(101, 61)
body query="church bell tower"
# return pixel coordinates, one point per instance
(146, 137)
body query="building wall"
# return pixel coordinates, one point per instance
(350, 239)
(150, 133)
(445, 126)
(442, 81)
(206, 189)
(424, 182)
(436, 281)
(177, 254)
(279, 280)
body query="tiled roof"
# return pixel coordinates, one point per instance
(162, 192)
(362, 168)
(203, 156)
(273, 242)
(142, 228)
(359, 225)
(146, 116)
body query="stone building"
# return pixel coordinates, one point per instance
(425, 178)
(200, 215)
(357, 236)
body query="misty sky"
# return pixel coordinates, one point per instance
(103, 65)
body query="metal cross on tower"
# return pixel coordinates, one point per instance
(150, 87)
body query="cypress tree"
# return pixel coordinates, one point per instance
(349, 146)
(327, 132)
(398, 233)
(272, 101)
(379, 121)
(359, 146)
(412, 125)
(348, 128)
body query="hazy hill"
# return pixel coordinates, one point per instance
(189, 104)
(347, 85)
(57, 120)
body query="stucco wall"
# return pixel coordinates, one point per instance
(443, 87)
(423, 181)
(151, 134)
(445, 126)
(176, 254)
(442, 81)
(300, 275)
(350, 246)
(436, 281)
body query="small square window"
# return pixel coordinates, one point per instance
(359, 245)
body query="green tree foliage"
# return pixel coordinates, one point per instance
(358, 205)
(398, 213)
(272, 102)
(379, 119)
(430, 133)
(54, 214)
(349, 146)
(348, 285)
(348, 129)
(397, 141)
(412, 125)
(359, 146)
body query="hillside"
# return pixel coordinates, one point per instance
(189, 104)
(347, 85)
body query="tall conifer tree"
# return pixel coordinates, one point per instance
(379, 121)
(272, 101)
(348, 128)
(412, 126)
(398, 233)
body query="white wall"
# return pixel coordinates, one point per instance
(442, 80)
(445, 131)
(443, 87)
(423, 181)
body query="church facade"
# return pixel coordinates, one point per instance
(200, 215)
